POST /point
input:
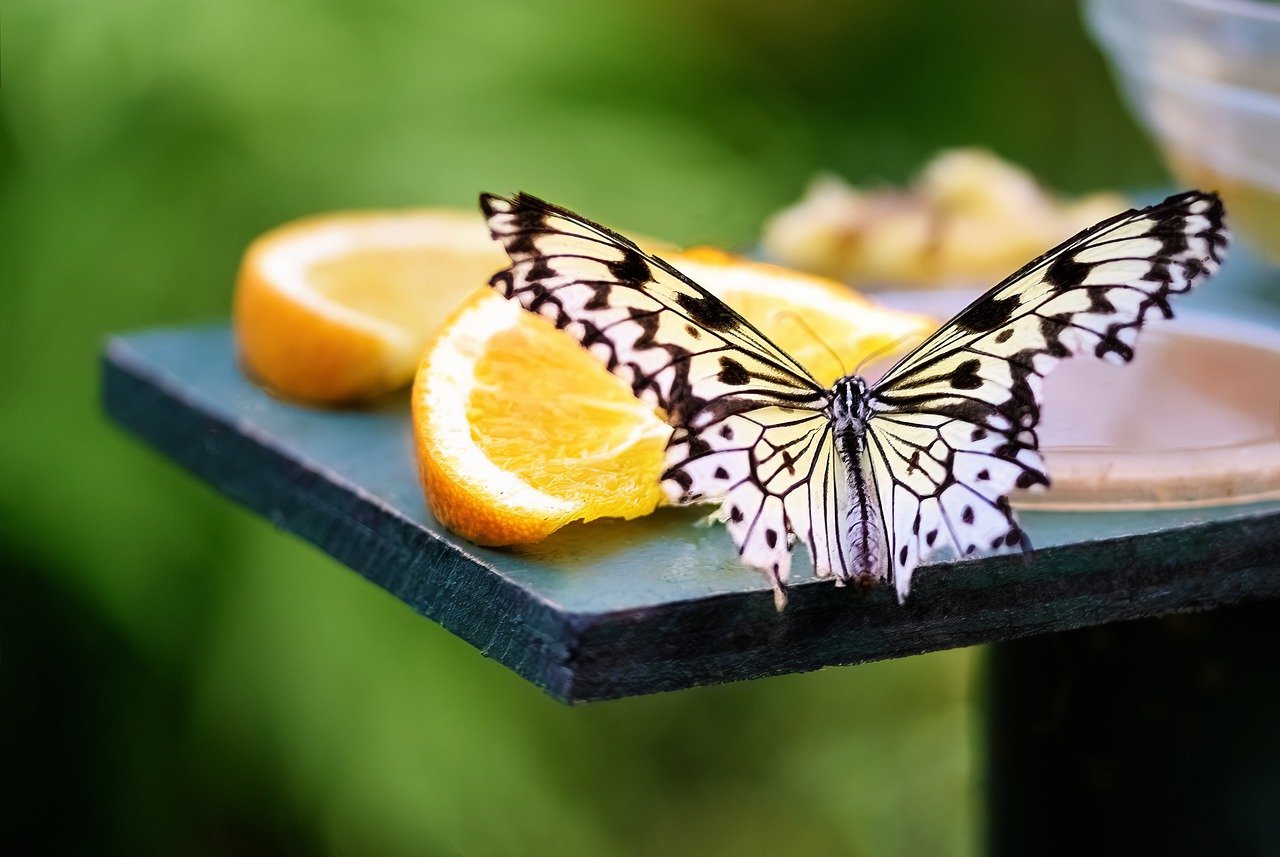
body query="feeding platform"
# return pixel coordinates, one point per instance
(614, 609)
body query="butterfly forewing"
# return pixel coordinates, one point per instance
(1094, 291)
(651, 326)
(954, 425)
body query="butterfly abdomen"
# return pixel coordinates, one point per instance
(865, 563)
(861, 518)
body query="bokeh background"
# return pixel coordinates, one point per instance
(178, 677)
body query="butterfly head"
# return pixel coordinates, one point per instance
(849, 407)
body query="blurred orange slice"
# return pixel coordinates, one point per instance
(823, 324)
(520, 431)
(338, 308)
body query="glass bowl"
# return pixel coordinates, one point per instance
(1203, 76)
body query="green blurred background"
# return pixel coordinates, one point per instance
(178, 677)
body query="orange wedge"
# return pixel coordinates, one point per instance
(338, 308)
(520, 431)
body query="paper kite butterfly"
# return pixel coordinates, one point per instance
(871, 478)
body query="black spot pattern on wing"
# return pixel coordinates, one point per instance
(987, 315)
(631, 268)
(733, 373)
(1066, 273)
(708, 312)
(965, 376)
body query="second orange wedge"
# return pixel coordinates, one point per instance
(337, 308)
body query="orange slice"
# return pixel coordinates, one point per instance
(823, 324)
(338, 308)
(520, 430)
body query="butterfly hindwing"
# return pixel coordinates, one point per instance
(780, 480)
(955, 420)
(944, 489)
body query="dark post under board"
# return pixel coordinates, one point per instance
(1160, 736)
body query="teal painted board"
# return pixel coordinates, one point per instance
(613, 609)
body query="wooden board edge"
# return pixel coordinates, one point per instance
(465, 596)
(1194, 568)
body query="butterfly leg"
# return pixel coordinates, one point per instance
(779, 589)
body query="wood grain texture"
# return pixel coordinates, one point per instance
(616, 609)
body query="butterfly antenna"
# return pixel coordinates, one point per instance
(795, 316)
(890, 346)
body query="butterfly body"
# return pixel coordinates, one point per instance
(850, 412)
(873, 479)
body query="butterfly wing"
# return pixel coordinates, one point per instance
(954, 428)
(751, 425)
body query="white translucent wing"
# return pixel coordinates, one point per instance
(781, 481)
(751, 425)
(940, 487)
(954, 429)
